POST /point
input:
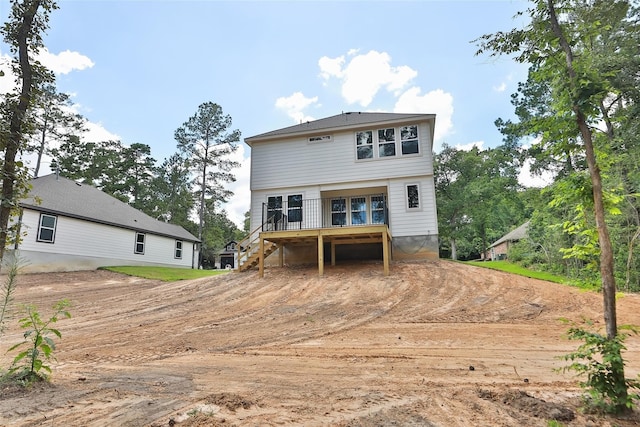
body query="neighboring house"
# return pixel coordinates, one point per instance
(354, 185)
(229, 255)
(67, 226)
(498, 250)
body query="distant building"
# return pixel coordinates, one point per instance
(69, 226)
(498, 249)
(229, 255)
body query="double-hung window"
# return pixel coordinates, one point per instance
(47, 228)
(338, 212)
(386, 142)
(139, 247)
(409, 139)
(364, 144)
(178, 249)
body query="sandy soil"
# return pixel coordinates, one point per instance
(434, 344)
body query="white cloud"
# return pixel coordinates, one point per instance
(501, 87)
(64, 62)
(294, 106)
(97, 133)
(365, 75)
(330, 67)
(469, 146)
(241, 200)
(436, 102)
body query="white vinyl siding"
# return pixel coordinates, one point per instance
(412, 222)
(295, 162)
(75, 237)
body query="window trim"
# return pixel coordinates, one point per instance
(178, 249)
(137, 242)
(407, 200)
(41, 227)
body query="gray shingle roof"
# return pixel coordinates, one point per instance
(337, 122)
(513, 235)
(59, 195)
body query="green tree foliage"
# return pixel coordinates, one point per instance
(171, 190)
(477, 193)
(53, 121)
(206, 141)
(23, 31)
(580, 99)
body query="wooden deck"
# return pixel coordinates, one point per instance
(336, 236)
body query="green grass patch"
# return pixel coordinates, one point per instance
(509, 267)
(166, 274)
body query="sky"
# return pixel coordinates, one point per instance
(138, 69)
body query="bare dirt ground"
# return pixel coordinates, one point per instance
(433, 344)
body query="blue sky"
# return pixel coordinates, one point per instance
(139, 69)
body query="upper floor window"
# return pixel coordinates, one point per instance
(178, 249)
(388, 142)
(139, 248)
(47, 228)
(409, 137)
(364, 144)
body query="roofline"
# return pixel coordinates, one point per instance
(112, 224)
(259, 138)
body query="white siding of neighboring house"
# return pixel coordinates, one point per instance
(82, 244)
(283, 163)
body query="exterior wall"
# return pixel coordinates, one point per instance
(279, 164)
(83, 245)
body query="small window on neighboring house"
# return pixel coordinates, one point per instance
(413, 196)
(294, 210)
(364, 145)
(139, 249)
(409, 139)
(47, 228)
(386, 142)
(178, 252)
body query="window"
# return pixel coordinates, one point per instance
(409, 137)
(274, 209)
(377, 210)
(364, 144)
(413, 196)
(386, 142)
(358, 210)
(322, 138)
(139, 249)
(178, 251)
(338, 212)
(47, 228)
(294, 208)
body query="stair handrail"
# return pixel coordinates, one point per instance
(247, 243)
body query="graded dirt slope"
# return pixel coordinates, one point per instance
(433, 344)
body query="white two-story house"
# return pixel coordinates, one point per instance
(351, 186)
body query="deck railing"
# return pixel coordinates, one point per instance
(342, 211)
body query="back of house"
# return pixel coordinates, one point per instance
(347, 171)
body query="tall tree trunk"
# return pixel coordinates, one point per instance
(606, 251)
(16, 124)
(454, 249)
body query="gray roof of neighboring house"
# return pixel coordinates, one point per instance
(58, 195)
(516, 234)
(340, 121)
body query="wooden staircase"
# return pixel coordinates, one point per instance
(249, 250)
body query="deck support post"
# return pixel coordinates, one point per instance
(281, 254)
(261, 258)
(333, 253)
(320, 255)
(385, 252)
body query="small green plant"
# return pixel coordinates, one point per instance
(600, 359)
(8, 288)
(28, 364)
(554, 423)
